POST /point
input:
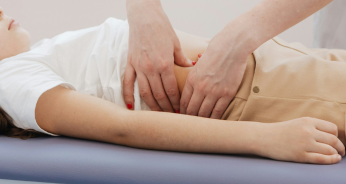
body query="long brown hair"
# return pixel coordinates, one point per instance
(8, 129)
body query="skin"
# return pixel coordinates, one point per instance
(151, 57)
(66, 112)
(70, 113)
(12, 41)
(213, 83)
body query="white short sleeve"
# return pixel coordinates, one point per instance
(21, 85)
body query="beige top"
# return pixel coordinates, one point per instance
(286, 81)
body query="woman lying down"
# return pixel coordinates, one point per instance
(290, 106)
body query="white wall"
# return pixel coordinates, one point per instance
(47, 18)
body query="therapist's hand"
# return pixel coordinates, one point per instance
(153, 49)
(215, 79)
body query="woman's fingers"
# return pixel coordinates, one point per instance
(322, 148)
(128, 83)
(326, 126)
(317, 158)
(299, 140)
(330, 140)
(145, 92)
(159, 92)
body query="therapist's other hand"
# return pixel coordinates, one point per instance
(214, 80)
(153, 49)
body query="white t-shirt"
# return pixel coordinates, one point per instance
(91, 61)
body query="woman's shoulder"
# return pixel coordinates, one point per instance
(81, 37)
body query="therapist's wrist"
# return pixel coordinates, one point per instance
(240, 37)
(145, 13)
(132, 5)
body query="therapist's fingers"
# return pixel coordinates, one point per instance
(185, 97)
(207, 106)
(145, 92)
(128, 83)
(195, 103)
(171, 88)
(159, 93)
(220, 107)
(181, 59)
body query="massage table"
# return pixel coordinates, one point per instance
(68, 160)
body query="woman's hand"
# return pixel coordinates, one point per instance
(153, 49)
(306, 140)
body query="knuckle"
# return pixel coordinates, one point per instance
(218, 111)
(334, 129)
(201, 87)
(144, 93)
(127, 95)
(127, 81)
(306, 132)
(303, 157)
(231, 93)
(306, 120)
(159, 96)
(334, 141)
(226, 91)
(164, 66)
(319, 159)
(148, 66)
(215, 91)
(183, 104)
(330, 151)
(171, 92)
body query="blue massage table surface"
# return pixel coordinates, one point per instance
(67, 160)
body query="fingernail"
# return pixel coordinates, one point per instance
(199, 55)
(129, 106)
(177, 111)
(194, 63)
(338, 157)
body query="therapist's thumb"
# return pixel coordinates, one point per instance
(181, 59)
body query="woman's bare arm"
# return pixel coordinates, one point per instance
(66, 112)
(70, 113)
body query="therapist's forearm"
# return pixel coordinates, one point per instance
(267, 20)
(131, 5)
